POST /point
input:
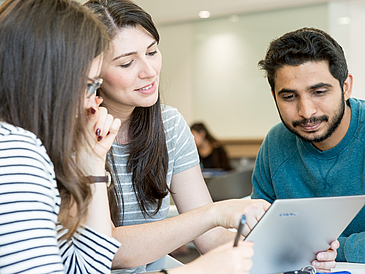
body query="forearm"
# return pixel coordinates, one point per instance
(351, 248)
(213, 238)
(142, 244)
(221, 260)
(189, 268)
(145, 243)
(98, 216)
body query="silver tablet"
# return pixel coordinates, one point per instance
(293, 231)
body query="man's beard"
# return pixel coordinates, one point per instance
(336, 120)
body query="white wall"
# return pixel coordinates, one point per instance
(355, 44)
(176, 84)
(210, 68)
(227, 90)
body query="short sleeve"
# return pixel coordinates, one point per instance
(183, 153)
(88, 251)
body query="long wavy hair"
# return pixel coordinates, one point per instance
(148, 157)
(46, 51)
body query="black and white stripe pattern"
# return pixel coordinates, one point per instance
(29, 205)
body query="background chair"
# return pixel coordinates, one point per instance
(233, 184)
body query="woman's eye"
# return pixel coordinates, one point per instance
(152, 53)
(127, 65)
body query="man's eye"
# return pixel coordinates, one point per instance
(288, 97)
(320, 91)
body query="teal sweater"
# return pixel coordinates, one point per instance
(287, 167)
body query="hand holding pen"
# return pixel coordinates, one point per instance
(240, 229)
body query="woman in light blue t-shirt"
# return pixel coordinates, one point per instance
(154, 153)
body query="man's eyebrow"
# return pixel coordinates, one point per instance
(320, 85)
(133, 52)
(286, 90)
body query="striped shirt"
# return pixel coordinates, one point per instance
(182, 154)
(29, 205)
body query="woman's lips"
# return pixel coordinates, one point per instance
(149, 89)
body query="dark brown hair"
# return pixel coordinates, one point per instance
(148, 157)
(46, 51)
(301, 46)
(201, 127)
(220, 159)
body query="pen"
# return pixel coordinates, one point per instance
(240, 229)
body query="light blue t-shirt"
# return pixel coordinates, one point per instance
(288, 167)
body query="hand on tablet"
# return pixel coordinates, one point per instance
(229, 212)
(326, 260)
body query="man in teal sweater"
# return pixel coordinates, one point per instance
(319, 148)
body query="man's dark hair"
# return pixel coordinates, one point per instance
(301, 46)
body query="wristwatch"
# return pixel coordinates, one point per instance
(102, 179)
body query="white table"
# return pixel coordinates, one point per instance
(353, 268)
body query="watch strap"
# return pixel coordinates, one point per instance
(102, 179)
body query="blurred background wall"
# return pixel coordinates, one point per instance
(210, 70)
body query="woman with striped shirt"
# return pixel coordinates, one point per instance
(53, 141)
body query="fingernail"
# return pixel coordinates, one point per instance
(108, 133)
(316, 264)
(320, 256)
(93, 110)
(98, 131)
(100, 138)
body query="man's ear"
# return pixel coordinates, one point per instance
(347, 87)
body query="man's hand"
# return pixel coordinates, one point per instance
(325, 261)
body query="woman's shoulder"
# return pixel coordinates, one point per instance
(21, 150)
(171, 117)
(17, 138)
(7, 130)
(174, 123)
(168, 111)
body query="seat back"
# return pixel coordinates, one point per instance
(234, 184)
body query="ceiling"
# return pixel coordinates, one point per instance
(174, 11)
(177, 11)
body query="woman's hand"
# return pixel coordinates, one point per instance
(228, 213)
(101, 131)
(224, 259)
(102, 128)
